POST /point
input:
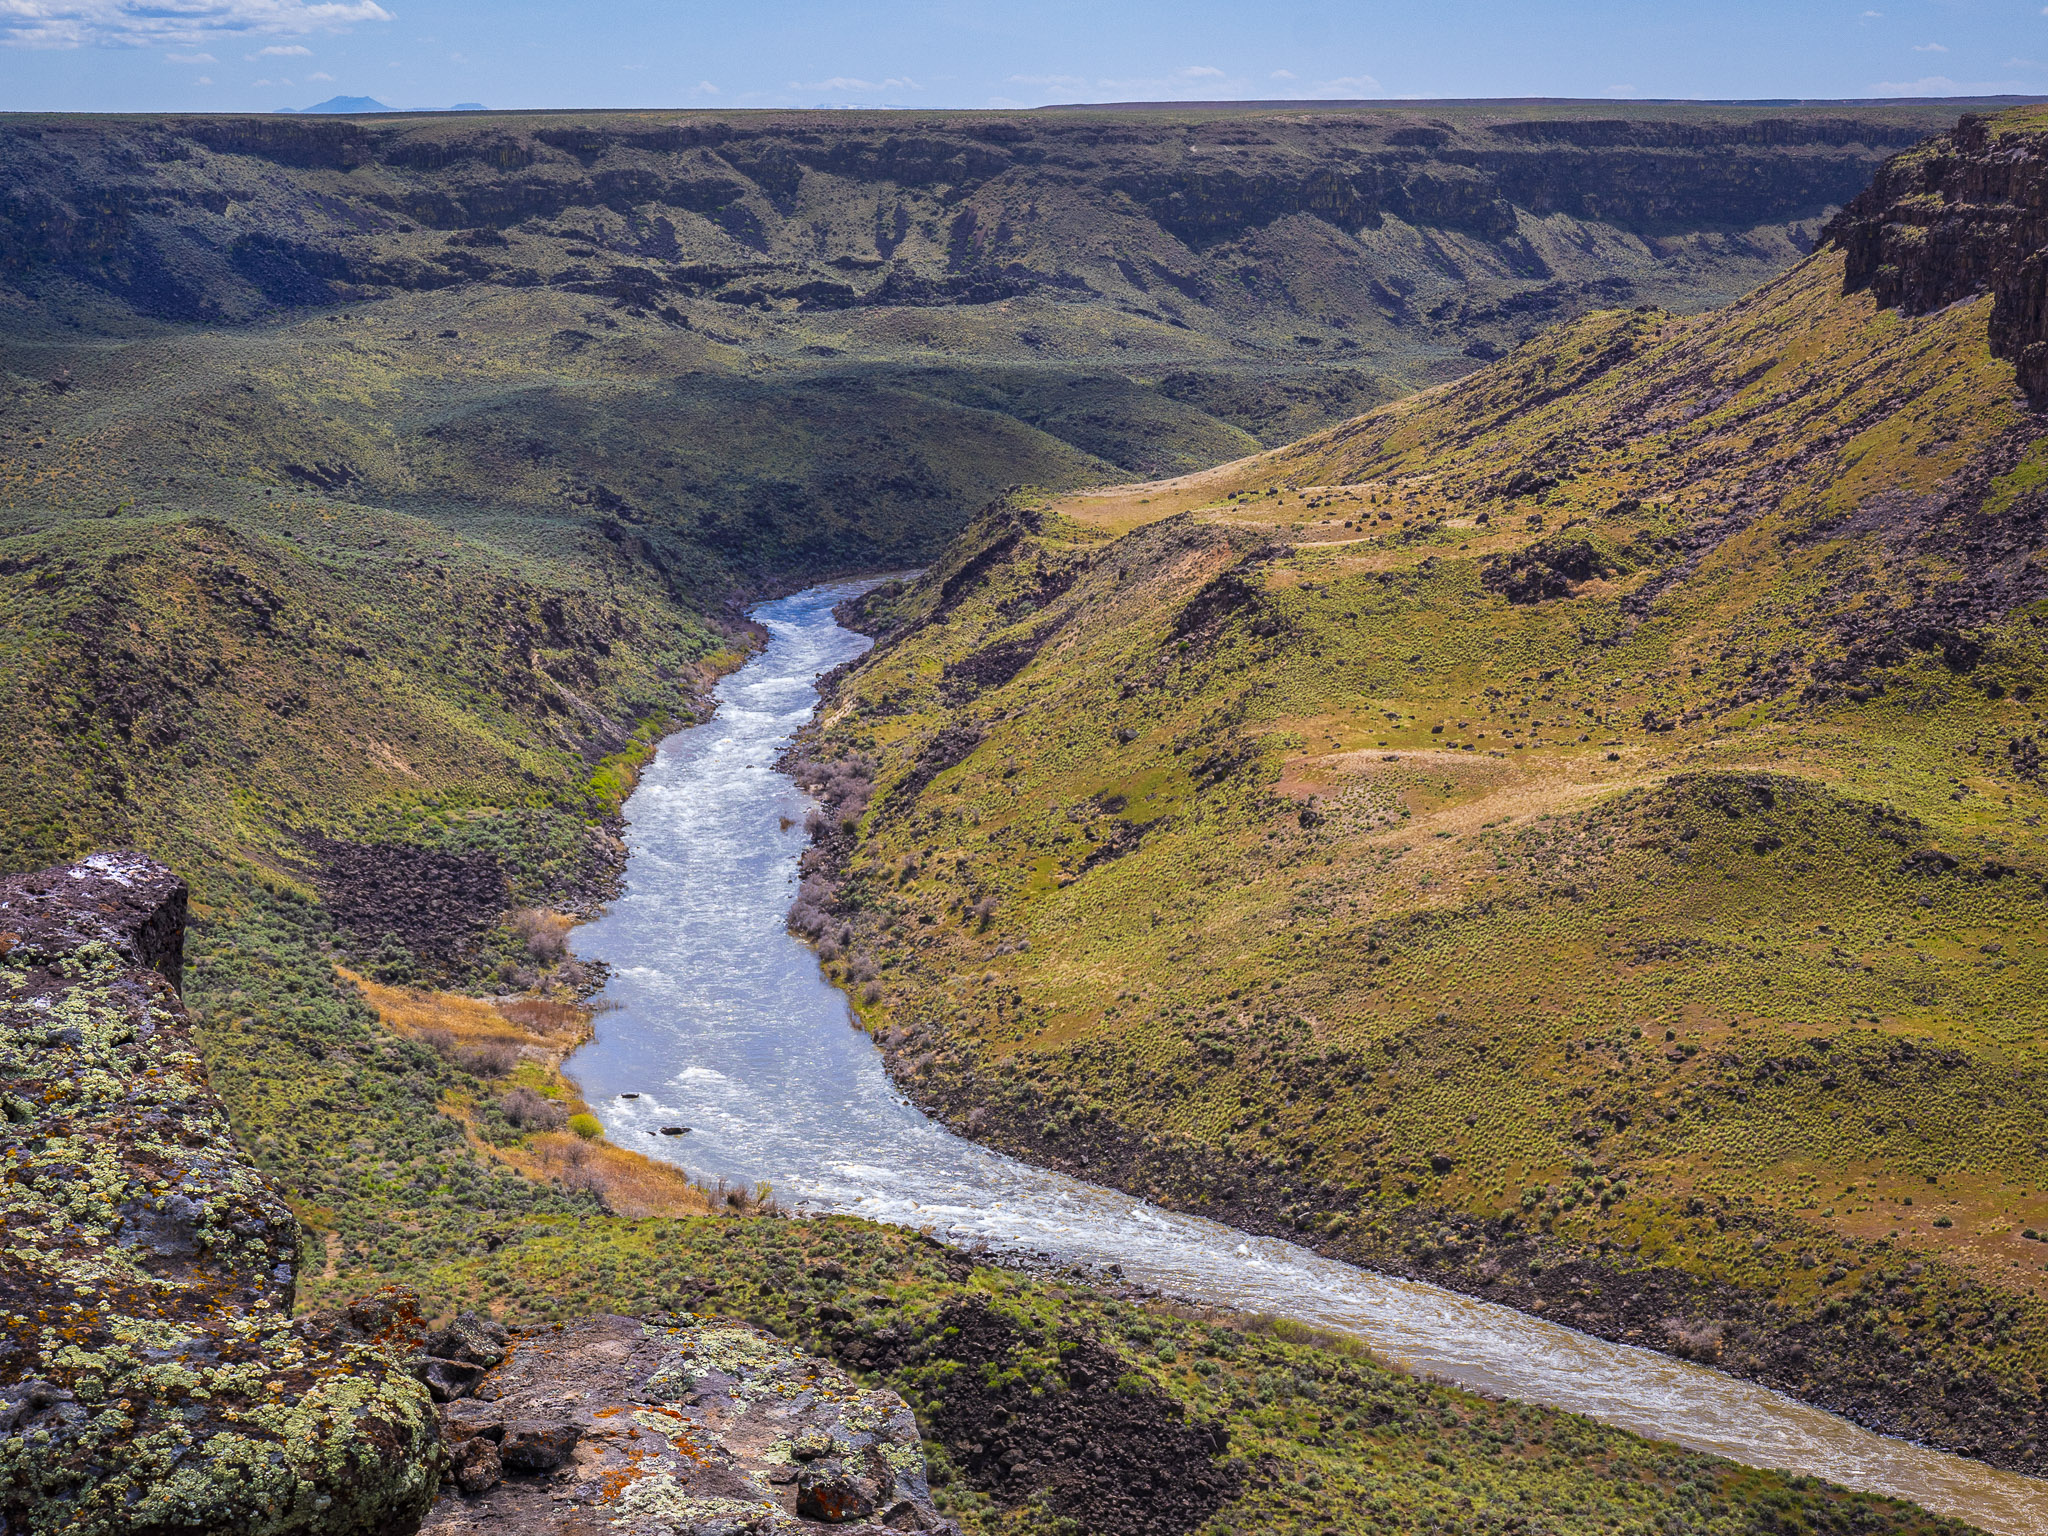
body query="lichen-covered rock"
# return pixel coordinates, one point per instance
(152, 1380)
(678, 1427)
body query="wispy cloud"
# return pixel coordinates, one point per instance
(704, 88)
(171, 23)
(190, 58)
(1941, 85)
(281, 51)
(319, 74)
(1347, 85)
(1929, 48)
(1283, 74)
(849, 83)
(1199, 81)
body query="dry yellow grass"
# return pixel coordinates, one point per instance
(630, 1184)
(542, 1034)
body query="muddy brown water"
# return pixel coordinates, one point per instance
(723, 1023)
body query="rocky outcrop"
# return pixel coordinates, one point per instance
(152, 1380)
(673, 1427)
(1964, 214)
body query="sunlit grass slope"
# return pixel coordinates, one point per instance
(1573, 834)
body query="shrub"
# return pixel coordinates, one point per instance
(393, 963)
(532, 1111)
(545, 934)
(488, 1058)
(586, 1126)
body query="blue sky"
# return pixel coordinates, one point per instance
(196, 55)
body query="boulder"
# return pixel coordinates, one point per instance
(675, 1425)
(538, 1445)
(475, 1466)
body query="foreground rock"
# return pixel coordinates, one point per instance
(682, 1428)
(151, 1378)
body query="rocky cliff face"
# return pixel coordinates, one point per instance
(1964, 214)
(152, 1379)
(1256, 214)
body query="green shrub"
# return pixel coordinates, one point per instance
(586, 1126)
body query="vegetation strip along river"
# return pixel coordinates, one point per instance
(724, 1024)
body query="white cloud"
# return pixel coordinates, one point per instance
(281, 51)
(319, 74)
(1941, 85)
(190, 58)
(171, 23)
(704, 88)
(844, 83)
(1929, 48)
(1872, 15)
(1347, 85)
(1283, 74)
(204, 80)
(280, 81)
(1190, 82)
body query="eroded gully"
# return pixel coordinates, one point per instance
(723, 1023)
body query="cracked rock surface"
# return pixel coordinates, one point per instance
(677, 1426)
(152, 1380)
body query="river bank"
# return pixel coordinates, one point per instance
(725, 1024)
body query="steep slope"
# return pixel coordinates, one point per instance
(362, 612)
(1572, 834)
(782, 332)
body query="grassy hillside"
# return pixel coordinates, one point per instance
(357, 584)
(1573, 835)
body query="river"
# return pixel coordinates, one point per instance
(722, 1022)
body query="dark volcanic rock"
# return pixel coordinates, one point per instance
(132, 904)
(678, 1428)
(434, 902)
(178, 1396)
(1961, 215)
(1551, 568)
(1146, 1471)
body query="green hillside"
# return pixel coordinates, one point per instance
(374, 496)
(1572, 835)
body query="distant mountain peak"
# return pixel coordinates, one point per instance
(342, 104)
